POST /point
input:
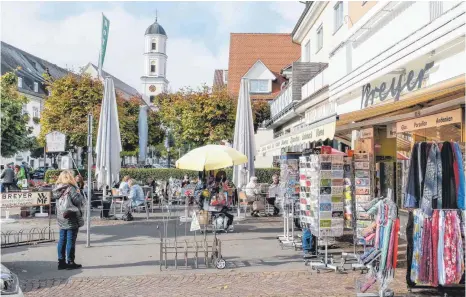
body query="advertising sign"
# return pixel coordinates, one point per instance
(25, 199)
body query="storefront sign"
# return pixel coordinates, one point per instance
(366, 133)
(25, 199)
(396, 88)
(319, 133)
(436, 120)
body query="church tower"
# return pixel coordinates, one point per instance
(154, 80)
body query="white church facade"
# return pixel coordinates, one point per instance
(154, 80)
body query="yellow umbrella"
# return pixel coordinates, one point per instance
(211, 157)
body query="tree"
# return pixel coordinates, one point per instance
(260, 112)
(156, 133)
(71, 99)
(198, 117)
(15, 132)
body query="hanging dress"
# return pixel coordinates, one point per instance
(417, 245)
(460, 185)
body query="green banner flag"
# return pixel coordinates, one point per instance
(104, 38)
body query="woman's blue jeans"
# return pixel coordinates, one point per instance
(67, 244)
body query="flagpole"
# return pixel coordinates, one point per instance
(89, 179)
(100, 52)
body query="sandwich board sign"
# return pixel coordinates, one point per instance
(55, 141)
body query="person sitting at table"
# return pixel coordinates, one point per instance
(185, 181)
(136, 194)
(151, 183)
(252, 191)
(124, 187)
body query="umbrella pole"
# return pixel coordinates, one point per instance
(89, 180)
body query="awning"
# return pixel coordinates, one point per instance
(448, 89)
(307, 135)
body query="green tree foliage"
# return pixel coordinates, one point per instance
(260, 112)
(15, 132)
(73, 97)
(198, 117)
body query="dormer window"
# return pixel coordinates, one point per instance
(36, 87)
(260, 86)
(20, 82)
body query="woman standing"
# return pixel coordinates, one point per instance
(69, 218)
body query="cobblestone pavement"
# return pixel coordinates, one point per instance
(283, 283)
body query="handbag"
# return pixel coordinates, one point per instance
(66, 206)
(258, 205)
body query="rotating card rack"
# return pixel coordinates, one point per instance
(321, 201)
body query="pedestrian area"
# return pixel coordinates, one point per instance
(123, 260)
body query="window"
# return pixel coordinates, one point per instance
(436, 9)
(152, 67)
(307, 52)
(24, 109)
(152, 99)
(20, 82)
(337, 16)
(153, 45)
(225, 76)
(259, 86)
(36, 87)
(35, 112)
(320, 38)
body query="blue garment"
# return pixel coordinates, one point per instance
(461, 191)
(66, 246)
(307, 240)
(136, 195)
(124, 188)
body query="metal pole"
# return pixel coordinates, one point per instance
(89, 179)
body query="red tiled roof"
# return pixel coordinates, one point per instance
(276, 51)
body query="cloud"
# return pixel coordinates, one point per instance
(290, 11)
(72, 41)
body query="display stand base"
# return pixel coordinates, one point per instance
(352, 260)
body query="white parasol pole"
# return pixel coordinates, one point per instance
(89, 179)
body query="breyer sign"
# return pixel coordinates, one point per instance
(25, 199)
(395, 89)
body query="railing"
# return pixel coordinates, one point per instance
(282, 101)
(315, 84)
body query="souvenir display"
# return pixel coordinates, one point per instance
(321, 199)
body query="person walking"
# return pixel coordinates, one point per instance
(21, 178)
(8, 177)
(69, 218)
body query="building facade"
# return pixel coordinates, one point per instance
(154, 80)
(31, 83)
(261, 58)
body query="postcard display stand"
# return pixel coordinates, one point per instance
(289, 194)
(321, 200)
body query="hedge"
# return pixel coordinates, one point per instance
(264, 175)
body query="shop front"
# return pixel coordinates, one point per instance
(424, 105)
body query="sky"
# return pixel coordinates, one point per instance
(68, 33)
